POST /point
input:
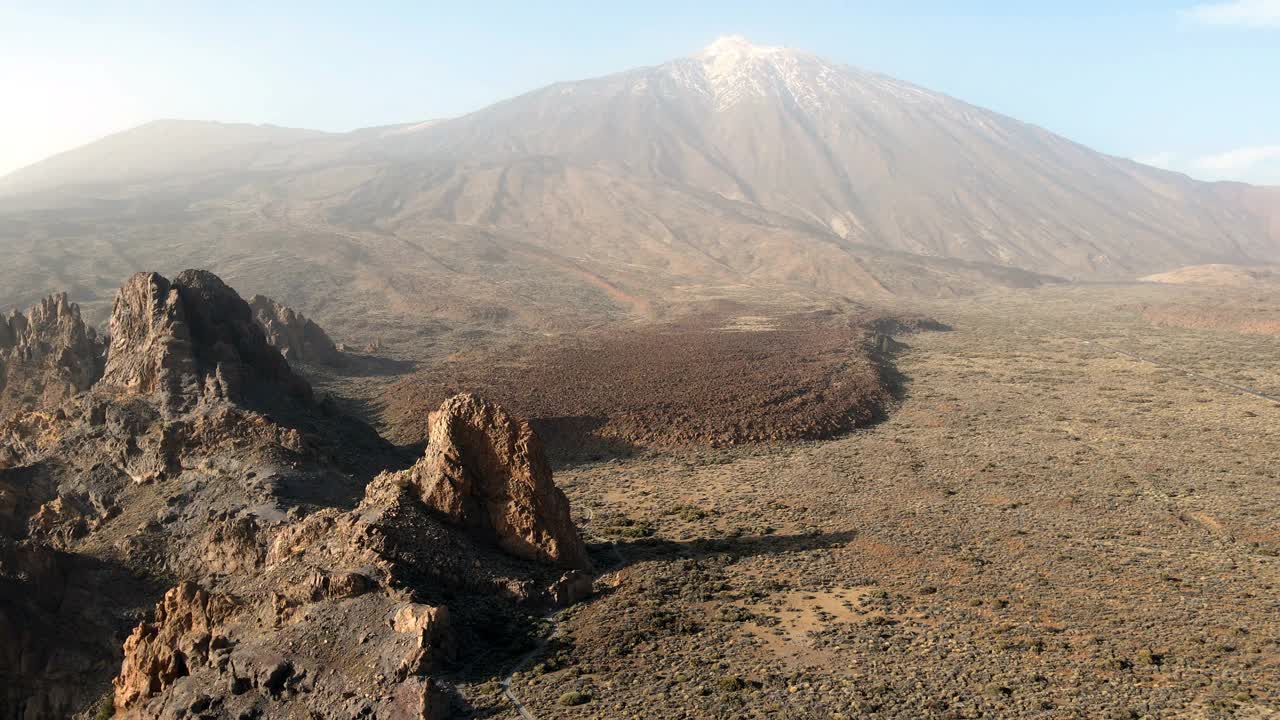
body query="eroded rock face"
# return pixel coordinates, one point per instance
(150, 343)
(192, 339)
(486, 470)
(171, 425)
(293, 334)
(330, 645)
(428, 626)
(46, 355)
(187, 628)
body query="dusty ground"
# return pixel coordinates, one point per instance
(1044, 528)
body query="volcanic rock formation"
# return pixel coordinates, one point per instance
(190, 339)
(218, 656)
(46, 355)
(185, 631)
(305, 589)
(293, 334)
(486, 470)
(377, 569)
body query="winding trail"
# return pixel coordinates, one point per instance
(553, 621)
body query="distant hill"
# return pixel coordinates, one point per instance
(155, 152)
(738, 169)
(1217, 275)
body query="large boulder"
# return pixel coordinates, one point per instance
(293, 334)
(46, 355)
(486, 470)
(192, 339)
(186, 630)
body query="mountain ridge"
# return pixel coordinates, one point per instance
(737, 165)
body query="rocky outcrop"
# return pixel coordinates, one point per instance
(332, 646)
(199, 454)
(486, 471)
(151, 349)
(380, 572)
(46, 355)
(32, 581)
(293, 334)
(197, 432)
(190, 340)
(432, 639)
(186, 630)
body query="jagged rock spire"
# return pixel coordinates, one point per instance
(190, 339)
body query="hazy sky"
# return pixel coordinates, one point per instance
(1188, 86)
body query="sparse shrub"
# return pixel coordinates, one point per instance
(1117, 664)
(996, 690)
(628, 528)
(733, 613)
(574, 697)
(689, 513)
(732, 683)
(1147, 657)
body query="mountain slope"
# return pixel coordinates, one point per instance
(863, 157)
(739, 167)
(155, 152)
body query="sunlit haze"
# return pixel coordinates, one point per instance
(1174, 84)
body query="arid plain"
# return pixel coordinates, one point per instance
(1043, 526)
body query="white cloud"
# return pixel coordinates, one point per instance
(1240, 159)
(1165, 160)
(1237, 13)
(1259, 164)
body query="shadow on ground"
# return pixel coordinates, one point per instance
(630, 552)
(572, 440)
(498, 626)
(371, 366)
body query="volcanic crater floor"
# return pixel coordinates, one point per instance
(1042, 528)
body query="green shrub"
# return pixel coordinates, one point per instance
(575, 697)
(732, 683)
(689, 513)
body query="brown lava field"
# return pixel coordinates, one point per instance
(711, 380)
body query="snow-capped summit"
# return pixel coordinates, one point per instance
(736, 47)
(732, 69)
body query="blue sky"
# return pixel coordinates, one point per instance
(1189, 85)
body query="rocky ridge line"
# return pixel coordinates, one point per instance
(297, 337)
(46, 355)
